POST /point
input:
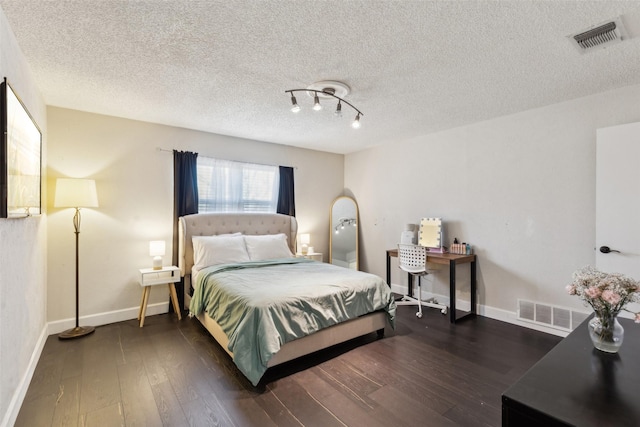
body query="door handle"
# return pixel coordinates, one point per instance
(607, 249)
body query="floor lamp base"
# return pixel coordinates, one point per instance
(77, 332)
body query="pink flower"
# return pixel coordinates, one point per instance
(611, 297)
(637, 318)
(571, 289)
(592, 292)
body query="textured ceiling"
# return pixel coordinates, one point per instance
(414, 67)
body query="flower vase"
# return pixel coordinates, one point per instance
(606, 333)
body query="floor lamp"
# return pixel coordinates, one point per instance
(76, 193)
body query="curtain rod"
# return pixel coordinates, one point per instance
(238, 161)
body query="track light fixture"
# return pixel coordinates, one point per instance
(295, 107)
(343, 222)
(356, 121)
(327, 92)
(316, 103)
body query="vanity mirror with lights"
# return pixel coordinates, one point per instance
(343, 233)
(431, 234)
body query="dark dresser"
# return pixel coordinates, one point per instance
(577, 385)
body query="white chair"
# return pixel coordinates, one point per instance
(413, 260)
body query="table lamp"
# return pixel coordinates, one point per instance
(305, 239)
(157, 251)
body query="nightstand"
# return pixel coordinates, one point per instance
(150, 277)
(316, 256)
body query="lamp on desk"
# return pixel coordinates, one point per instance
(157, 251)
(76, 193)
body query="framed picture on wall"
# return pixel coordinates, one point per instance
(20, 157)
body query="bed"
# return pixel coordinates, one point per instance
(292, 306)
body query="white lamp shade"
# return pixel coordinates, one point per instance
(157, 248)
(304, 243)
(76, 193)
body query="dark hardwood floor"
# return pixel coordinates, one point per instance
(425, 373)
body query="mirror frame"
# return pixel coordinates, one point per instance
(430, 234)
(332, 226)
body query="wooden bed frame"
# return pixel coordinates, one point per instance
(259, 224)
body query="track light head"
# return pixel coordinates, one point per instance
(316, 102)
(356, 122)
(338, 112)
(295, 107)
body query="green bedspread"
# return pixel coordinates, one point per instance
(262, 305)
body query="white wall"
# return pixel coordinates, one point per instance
(135, 190)
(520, 189)
(23, 290)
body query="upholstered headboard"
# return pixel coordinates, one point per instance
(212, 224)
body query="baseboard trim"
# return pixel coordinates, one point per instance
(107, 317)
(21, 391)
(486, 311)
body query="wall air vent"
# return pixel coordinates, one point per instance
(599, 36)
(549, 315)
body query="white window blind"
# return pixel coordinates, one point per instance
(227, 186)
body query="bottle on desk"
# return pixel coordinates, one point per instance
(460, 248)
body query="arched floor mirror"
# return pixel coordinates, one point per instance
(343, 233)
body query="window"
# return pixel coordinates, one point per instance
(226, 186)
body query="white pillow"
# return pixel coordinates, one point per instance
(214, 250)
(269, 246)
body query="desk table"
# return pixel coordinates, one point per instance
(451, 260)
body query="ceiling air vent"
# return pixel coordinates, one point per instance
(599, 36)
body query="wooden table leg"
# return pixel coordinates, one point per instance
(145, 300)
(174, 299)
(144, 290)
